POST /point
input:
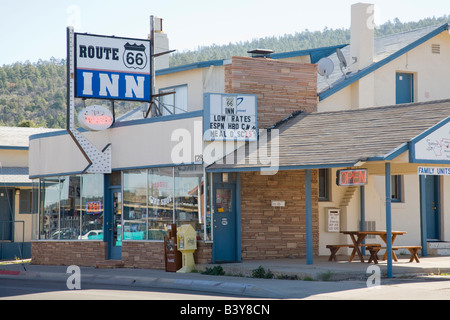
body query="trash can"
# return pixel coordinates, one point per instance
(187, 244)
(171, 254)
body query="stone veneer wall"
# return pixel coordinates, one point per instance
(272, 233)
(281, 87)
(135, 254)
(66, 253)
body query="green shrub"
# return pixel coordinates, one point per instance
(214, 271)
(261, 273)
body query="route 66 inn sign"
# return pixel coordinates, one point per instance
(112, 68)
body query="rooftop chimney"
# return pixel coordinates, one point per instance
(161, 45)
(361, 35)
(260, 53)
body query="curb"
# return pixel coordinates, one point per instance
(210, 286)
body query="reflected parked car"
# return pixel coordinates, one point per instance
(92, 235)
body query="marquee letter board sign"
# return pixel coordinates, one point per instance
(230, 117)
(432, 146)
(112, 68)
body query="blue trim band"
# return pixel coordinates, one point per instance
(309, 218)
(169, 165)
(13, 148)
(191, 66)
(315, 54)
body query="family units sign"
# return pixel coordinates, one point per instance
(432, 146)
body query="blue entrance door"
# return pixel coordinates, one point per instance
(404, 88)
(224, 223)
(6, 215)
(432, 190)
(113, 232)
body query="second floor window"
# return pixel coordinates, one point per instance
(174, 103)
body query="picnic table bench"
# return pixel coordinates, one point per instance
(334, 248)
(412, 250)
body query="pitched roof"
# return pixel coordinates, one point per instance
(315, 55)
(342, 138)
(18, 137)
(386, 49)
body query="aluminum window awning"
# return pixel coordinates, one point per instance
(14, 176)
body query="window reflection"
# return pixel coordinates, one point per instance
(189, 197)
(92, 207)
(160, 202)
(135, 205)
(69, 208)
(72, 207)
(49, 224)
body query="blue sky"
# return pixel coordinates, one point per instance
(33, 30)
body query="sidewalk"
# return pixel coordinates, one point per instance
(322, 271)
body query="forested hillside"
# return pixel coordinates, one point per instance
(34, 94)
(298, 41)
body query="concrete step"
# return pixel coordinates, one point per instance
(439, 248)
(109, 264)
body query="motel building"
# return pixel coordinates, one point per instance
(248, 151)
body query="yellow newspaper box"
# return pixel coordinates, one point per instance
(187, 244)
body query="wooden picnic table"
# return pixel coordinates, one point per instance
(358, 237)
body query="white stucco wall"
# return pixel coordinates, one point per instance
(133, 146)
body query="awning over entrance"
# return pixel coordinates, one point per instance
(345, 139)
(341, 138)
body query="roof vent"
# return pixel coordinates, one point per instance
(261, 53)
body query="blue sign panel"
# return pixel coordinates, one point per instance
(112, 68)
(112, 85)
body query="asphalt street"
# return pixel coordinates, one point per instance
(427, 288)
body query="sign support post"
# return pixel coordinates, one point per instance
(99, 161)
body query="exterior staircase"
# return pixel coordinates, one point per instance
(348, 195)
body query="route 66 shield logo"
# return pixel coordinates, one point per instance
(135, 56)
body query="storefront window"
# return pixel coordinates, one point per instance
(72, 207)
(49, 219)
(189, 197)
(92, 207)
(69, 208)
(135, 205)
(160, 202)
